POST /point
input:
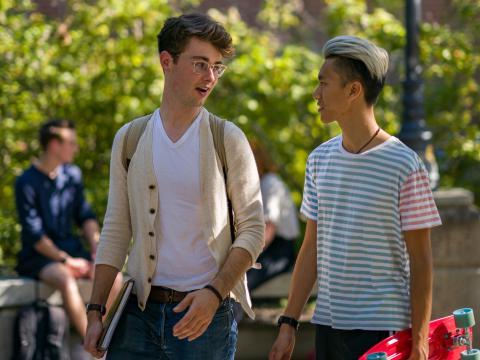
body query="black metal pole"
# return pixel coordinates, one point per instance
(414, 132)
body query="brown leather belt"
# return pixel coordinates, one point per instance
(160, 294)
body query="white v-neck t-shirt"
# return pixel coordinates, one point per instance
(184, 261)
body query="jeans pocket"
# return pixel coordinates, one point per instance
(225, 307)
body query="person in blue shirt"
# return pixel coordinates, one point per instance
(50, 201)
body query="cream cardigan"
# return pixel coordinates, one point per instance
(133, 203)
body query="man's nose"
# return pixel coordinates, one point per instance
(210, 74)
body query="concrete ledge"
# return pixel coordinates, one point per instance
(16, 292)
(255, 341)
(455, 288)
(276, 288)
(453, 197)
(256, 337)
(456, 205)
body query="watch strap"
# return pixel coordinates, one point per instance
(288, 320)
(97, 307)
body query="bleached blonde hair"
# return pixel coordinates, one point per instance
(359, 59)
(374, 57)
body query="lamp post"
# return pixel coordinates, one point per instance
(414, 132)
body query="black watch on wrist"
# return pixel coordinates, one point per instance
(97, 307)
(288, 320)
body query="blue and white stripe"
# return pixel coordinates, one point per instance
(362, 262)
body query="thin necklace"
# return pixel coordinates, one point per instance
(368, 142)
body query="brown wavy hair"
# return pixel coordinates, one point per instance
(177, 31)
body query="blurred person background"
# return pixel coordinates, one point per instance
(281, 221)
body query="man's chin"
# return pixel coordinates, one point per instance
(201, 102)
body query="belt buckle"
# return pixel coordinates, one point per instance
(170, 296)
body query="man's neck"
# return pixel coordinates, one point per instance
(358, 127)
(47, 165)
(176, 113)
(176, 118)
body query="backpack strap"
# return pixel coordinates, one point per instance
(130, 141)
(217, 127)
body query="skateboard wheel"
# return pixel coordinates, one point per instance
(473, 354)
(379, 356)
(464, 318)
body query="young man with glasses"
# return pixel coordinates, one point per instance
(370, 209)
(50, 200)
(172, 199)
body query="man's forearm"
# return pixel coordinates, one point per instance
(91, 231)
(304, 273)
(47, 248)
(237, 263)
(421, 279)
(102, 283)
(270, 230)
(421, 301)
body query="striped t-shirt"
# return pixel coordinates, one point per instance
(362, 204)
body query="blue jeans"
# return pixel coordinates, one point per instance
(149, 335)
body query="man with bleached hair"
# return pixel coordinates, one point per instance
(370, 209)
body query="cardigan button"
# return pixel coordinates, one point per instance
(149, 280)
(151, 187)
(152, 211)
(151, 233)
(152, 257)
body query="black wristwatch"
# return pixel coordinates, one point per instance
(288, 320)
(97, 307)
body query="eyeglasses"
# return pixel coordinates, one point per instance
(202, 67)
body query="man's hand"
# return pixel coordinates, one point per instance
(282, 349)
(79, 267)
(419, 353)
(202, 306)
(94, 331)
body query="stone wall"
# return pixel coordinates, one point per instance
(456, 256)
(17, 292)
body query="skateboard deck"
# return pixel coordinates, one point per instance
(444, 342)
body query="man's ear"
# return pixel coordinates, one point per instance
(356, 90)
(166, 60)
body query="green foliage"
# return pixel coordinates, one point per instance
(451, 74)
(100, 68)
(452, 94)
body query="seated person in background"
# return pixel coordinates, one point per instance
(49, 198)
(281, 222)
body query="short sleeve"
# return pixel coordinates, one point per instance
(309, 206)
(417, 206)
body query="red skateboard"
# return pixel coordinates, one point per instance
(450, 338)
